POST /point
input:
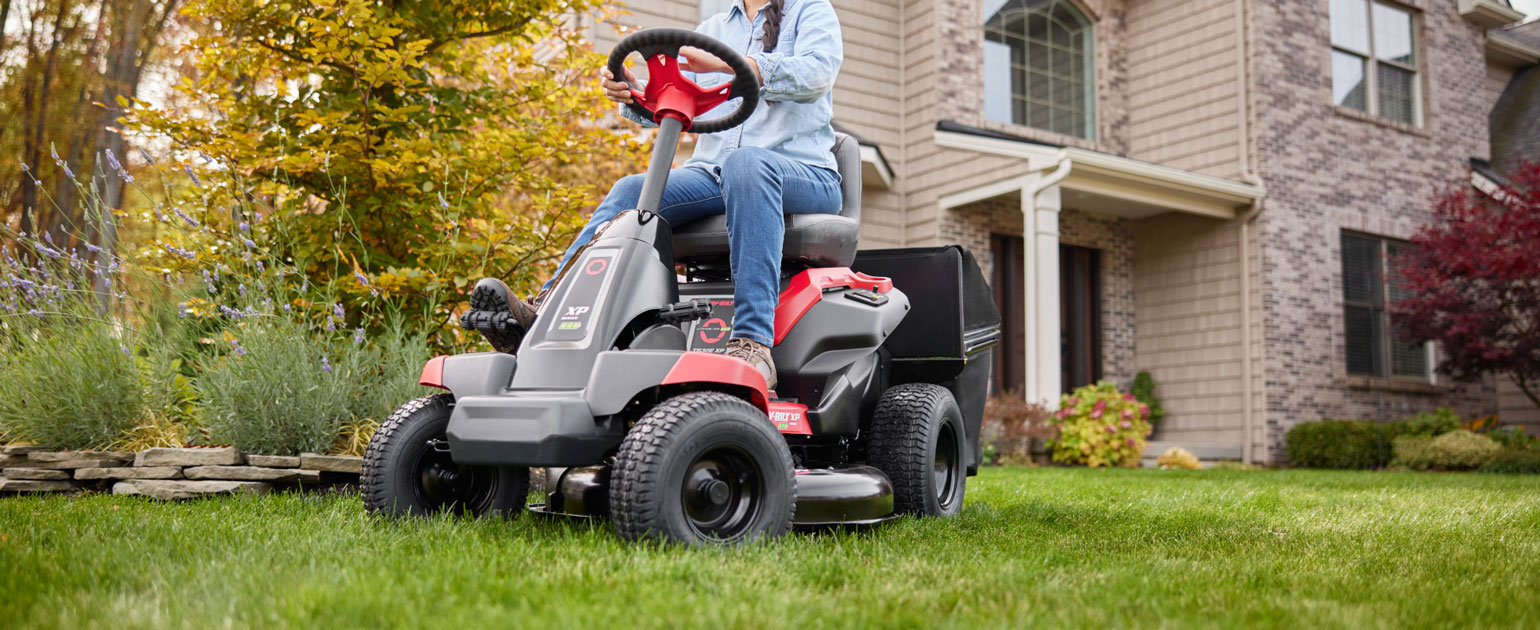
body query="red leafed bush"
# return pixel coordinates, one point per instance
(1474, 274)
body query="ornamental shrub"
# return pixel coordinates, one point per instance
(278, 390)
(1177, 457)
(1514, 438)
(1100, 426)
(1429, 424)
(1513, 461)
(70, 388)
(1143, 389)
(1350, 444)
(1456, 450)
(1013, 427)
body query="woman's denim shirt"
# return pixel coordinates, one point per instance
(796, 96)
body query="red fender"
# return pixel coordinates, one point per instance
(706, 367)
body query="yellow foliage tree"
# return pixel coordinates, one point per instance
(400, 148)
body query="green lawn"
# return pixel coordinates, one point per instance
(1052, 547)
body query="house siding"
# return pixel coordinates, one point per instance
(1187, 288)
(1184, 96)
(1326, 172)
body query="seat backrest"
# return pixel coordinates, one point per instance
(847, 158)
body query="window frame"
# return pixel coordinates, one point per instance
(1088, 82)
(1379, 309)
(1371, 61)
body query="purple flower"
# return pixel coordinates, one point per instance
(358, 336)
(326, 365)
(46, 251)
(125, 350)
(147, 159)
(242, 289)
(236, 344)
(247, 242)
(441, 202)
(245, 227)
(190, 174)
(229, 312)
(190, 221)
(112, 161)
(93, 249)
(338, 312)
(260, 267)
(179, 251)
(24, 167)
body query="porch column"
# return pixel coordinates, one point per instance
(1040, 243)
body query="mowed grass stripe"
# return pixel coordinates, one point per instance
(1049, 547)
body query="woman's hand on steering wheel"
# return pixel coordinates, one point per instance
(617, 91)
(696, 60)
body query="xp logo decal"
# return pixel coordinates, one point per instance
(573, 317)
(714, 330)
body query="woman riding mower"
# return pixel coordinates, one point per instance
(779, 162)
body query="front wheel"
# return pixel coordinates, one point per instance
(917, 440)
(408, 471)
(701, 469)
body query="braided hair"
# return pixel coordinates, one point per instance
(773, 11)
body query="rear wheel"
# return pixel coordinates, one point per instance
(408, 471)
(701, 469)
(917, 440)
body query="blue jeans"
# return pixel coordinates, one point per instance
(757, 188)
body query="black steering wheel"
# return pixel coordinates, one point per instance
(668, 94)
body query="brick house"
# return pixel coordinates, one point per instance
(1206, 190)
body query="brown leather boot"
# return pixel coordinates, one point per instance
(757, 354)
(499, 316)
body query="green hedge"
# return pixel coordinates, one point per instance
(1513, 461)
(1341, 444)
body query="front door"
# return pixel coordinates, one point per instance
(1080, 316)
(1008, 283)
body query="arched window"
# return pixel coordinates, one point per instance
(1038, 65)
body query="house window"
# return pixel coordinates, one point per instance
(1367, 287)
(1038, 65)
(709, 8)
(1374, 60)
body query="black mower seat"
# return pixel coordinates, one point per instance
(818, 240)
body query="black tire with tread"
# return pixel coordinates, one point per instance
(905, 431)
(386, 482)
(647, 478)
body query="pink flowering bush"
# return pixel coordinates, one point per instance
(1100, 426)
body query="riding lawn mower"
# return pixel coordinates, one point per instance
(621, 391)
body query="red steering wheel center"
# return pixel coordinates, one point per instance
(669, 94)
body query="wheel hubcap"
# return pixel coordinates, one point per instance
(722, 493)
(944, 467)
(443, 484)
